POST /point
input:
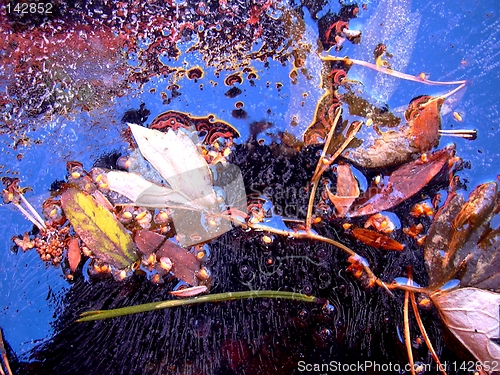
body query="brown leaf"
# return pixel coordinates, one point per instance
(376, 240)
(472, 315)
(461, 230)
(347, 190)
(189, 292)
(74, 254)
(148, 242)
(185, 265)
(419, 134)
(405, 182)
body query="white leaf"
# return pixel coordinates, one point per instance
(472, 315)
(143, 192)
(179, 162)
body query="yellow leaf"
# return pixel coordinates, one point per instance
(98, 229)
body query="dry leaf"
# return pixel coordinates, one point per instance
(98, 229)
(404, 182)
(74, 254)
(178, 160)
(148, 242)
(472, 315)
(347, 190)
(461, 230)
(376, 239)
(143, 192)
(185, 265)
(483, 267)
(189, 292)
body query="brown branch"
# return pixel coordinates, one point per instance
(407, 325)
(325, 162)
(5, 361)
(390, 72)
(424, 334)
(322, 159)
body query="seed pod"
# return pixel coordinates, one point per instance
(189, 292)
(203, 274)
(166, 263)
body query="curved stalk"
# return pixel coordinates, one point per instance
(319, 171)
(218, 297)
(424, 334)
(407, 323)
(390, 72)
(5, 367)
(324, 162)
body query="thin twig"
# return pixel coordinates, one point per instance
(322, 159)
(407, 325)
(32, 210)
(313, 236)
(470, 135)
(324, 163)
(28, 215)
(424, 334)
(317, 237)
(218, 297)
(444, 96)
(5, 360)
(390, 72)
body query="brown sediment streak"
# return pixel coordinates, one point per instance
(214, 128)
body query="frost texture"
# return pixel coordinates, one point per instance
(394, 25)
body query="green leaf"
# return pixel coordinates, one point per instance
(98, 229)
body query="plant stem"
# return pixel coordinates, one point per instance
(317, 237)
(324, 163)
(407, 323)
(390, 72)
(40, 225)
(32, 210)
(218, 297)
(424, 333)
(319, 171)
(407, 333)
(5, 360)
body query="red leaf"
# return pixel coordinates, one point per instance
(74, 254)
(148, 242)
(376, 240)
(347, 190)
(405, 182)
(185, 265)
